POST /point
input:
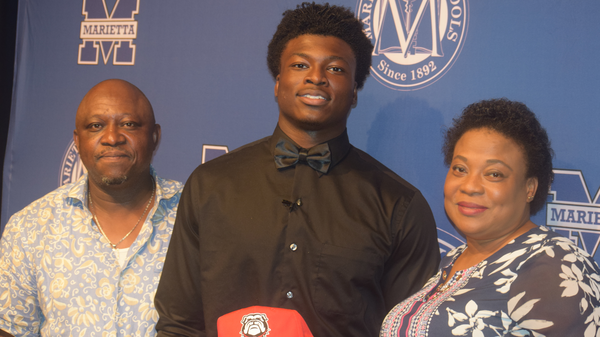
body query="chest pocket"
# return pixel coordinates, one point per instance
(345, 279)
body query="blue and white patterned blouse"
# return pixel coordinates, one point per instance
(60, 277)
(539, 284)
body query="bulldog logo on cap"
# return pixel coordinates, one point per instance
(254, 325)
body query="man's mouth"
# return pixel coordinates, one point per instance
(314, 97)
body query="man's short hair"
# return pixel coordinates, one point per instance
(314, 19)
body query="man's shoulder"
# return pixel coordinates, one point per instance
(46, 207)
(169, 186)
(236, 160)
(377, 172)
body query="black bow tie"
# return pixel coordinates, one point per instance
(287, 154)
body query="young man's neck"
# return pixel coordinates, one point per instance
(310, 138)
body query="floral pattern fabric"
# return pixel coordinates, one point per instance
(60, 277)
(539, 284)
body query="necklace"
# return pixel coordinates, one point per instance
(114, 245)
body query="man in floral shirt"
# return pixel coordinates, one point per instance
(85, 259)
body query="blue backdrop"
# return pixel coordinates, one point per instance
(202, 64)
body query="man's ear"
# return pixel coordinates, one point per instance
(156, 135)
(276, 89)
(76, 140)
(355, 98)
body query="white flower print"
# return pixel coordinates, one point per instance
(573, 281)
(518, 313)
(473, 320)
(593, 322)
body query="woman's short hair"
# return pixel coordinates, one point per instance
(515, 121)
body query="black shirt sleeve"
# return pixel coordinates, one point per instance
(178, 300)
(416, 254)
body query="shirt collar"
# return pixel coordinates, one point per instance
(339, 146)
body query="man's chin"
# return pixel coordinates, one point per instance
(109, 181)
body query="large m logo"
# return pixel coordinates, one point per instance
(573, 212)
(108, 32)
(406, 21)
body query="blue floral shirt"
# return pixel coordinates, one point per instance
(539, 284)
(60, 277)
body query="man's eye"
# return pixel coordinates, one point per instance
(95, 126)
(458, 169)
(336, 69)
(299, 65)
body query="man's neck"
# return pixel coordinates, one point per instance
(309, 138)
(129, 195)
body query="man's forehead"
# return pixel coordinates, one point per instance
(306, 46)
(115, 98)
(105, 107)
(114, 106)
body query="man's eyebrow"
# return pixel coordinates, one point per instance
(331, 58)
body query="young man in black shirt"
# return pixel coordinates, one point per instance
(300, 219)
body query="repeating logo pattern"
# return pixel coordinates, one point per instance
(416, 41)
(108, 31)
(572, 212)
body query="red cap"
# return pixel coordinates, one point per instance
(260, 321)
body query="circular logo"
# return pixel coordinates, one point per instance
(415, 41)
(71, 168)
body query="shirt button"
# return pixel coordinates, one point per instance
(299, 202)
(293, 247)
(289, 294)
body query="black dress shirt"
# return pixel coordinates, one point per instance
(341, 248)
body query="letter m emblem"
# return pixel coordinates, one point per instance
(406, 19)
(108, 32)
(573, 212)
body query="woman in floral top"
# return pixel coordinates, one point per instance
(511, 278)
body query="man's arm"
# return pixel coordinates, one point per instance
(19, 303)
(178, 299)
(416, 255)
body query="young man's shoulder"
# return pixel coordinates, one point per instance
(378, 172)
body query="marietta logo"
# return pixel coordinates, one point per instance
(109, 31)
(572, 212)
(71, 168)
(415, 41)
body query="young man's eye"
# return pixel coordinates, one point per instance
(458, 169)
